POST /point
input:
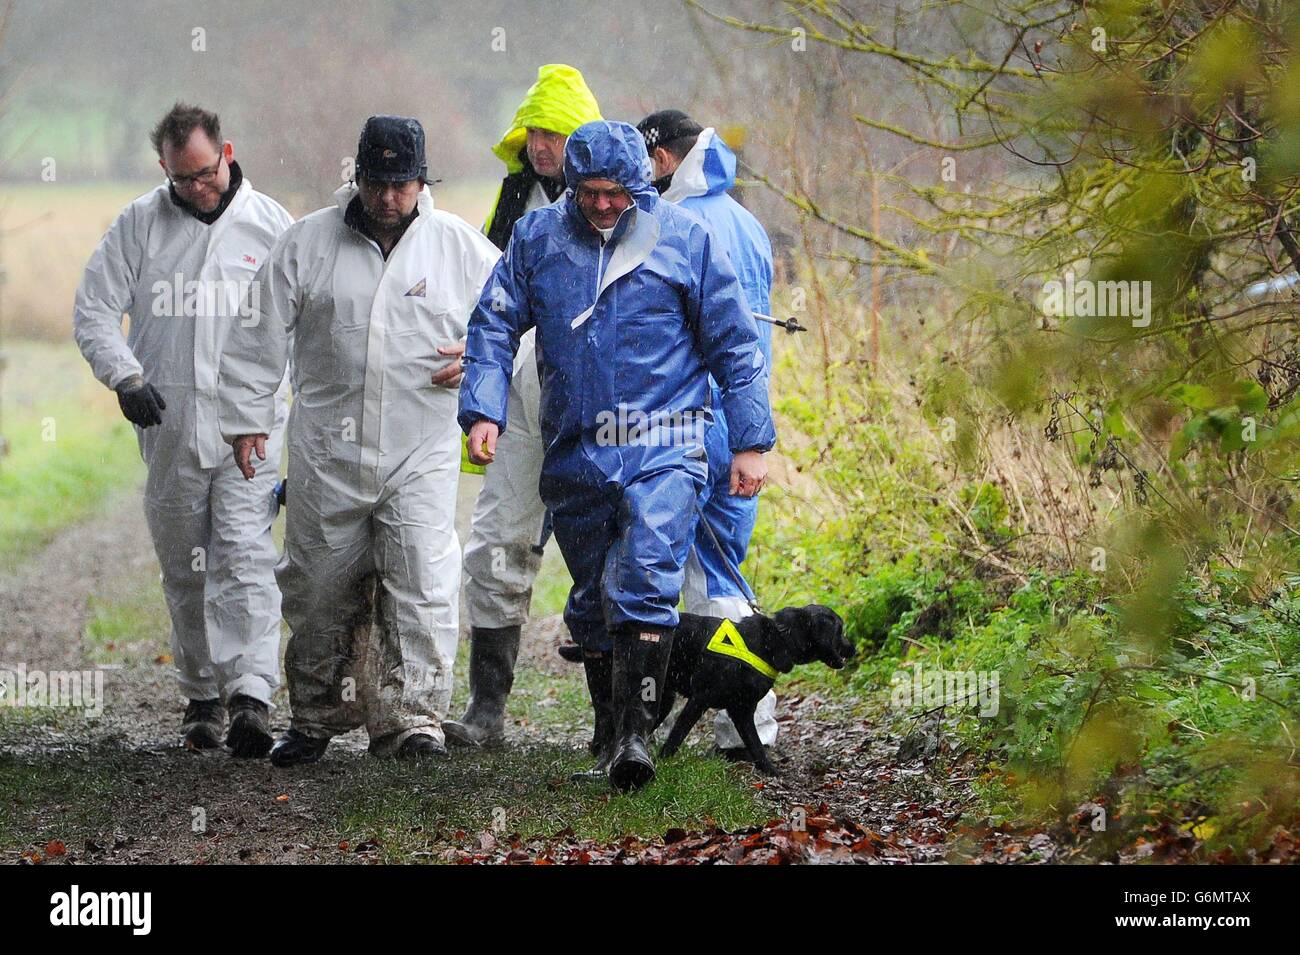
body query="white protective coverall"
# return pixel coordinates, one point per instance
(183, 284)
(504, 553)
(374, 457)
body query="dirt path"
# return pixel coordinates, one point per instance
(119, 789)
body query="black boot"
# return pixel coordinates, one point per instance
(640, 654)
(293, 748)
(492, 654)
(600, 684)
(201, 726)
(250, 728)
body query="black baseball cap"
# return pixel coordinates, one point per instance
(391, 149)
(665, 126)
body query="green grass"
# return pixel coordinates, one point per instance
(1157, 728)
(117, 628)
(551, 590)
(414, 813)
(543, 700)
(69, 447)
(44, 798)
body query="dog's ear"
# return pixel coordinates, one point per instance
(793, 624)
(778, 640)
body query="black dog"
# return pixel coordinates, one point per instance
(715, 670)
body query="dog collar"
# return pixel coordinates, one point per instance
(727, 641)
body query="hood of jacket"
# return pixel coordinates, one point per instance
(559, 101)
(708, 169)
(614, 151)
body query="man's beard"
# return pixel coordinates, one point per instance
(400, 222)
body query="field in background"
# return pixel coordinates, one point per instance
(49, 230)
(68, 443)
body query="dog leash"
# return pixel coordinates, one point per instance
(736, 578)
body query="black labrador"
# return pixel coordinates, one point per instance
(718, 664)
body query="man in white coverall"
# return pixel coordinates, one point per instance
(180, 260)
(368, 295)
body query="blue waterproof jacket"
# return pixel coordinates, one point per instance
(628, 330)
(700, 185)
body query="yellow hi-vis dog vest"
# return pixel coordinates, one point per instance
(727, 641)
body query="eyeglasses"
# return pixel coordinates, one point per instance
(587, 196)
(203, 177)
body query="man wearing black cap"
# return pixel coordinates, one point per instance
(695, 169)
(368, 296)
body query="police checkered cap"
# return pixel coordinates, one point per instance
(665, 126)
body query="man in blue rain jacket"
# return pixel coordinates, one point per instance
(634, 309)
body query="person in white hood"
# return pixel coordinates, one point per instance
(369, 296)
(695, 169)
(179, 260)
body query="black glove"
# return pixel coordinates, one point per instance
(140, 402)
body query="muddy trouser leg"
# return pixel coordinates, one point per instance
(326, 579)
(504, 551)
(242, 610)
(176, 509)
(417, 555)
